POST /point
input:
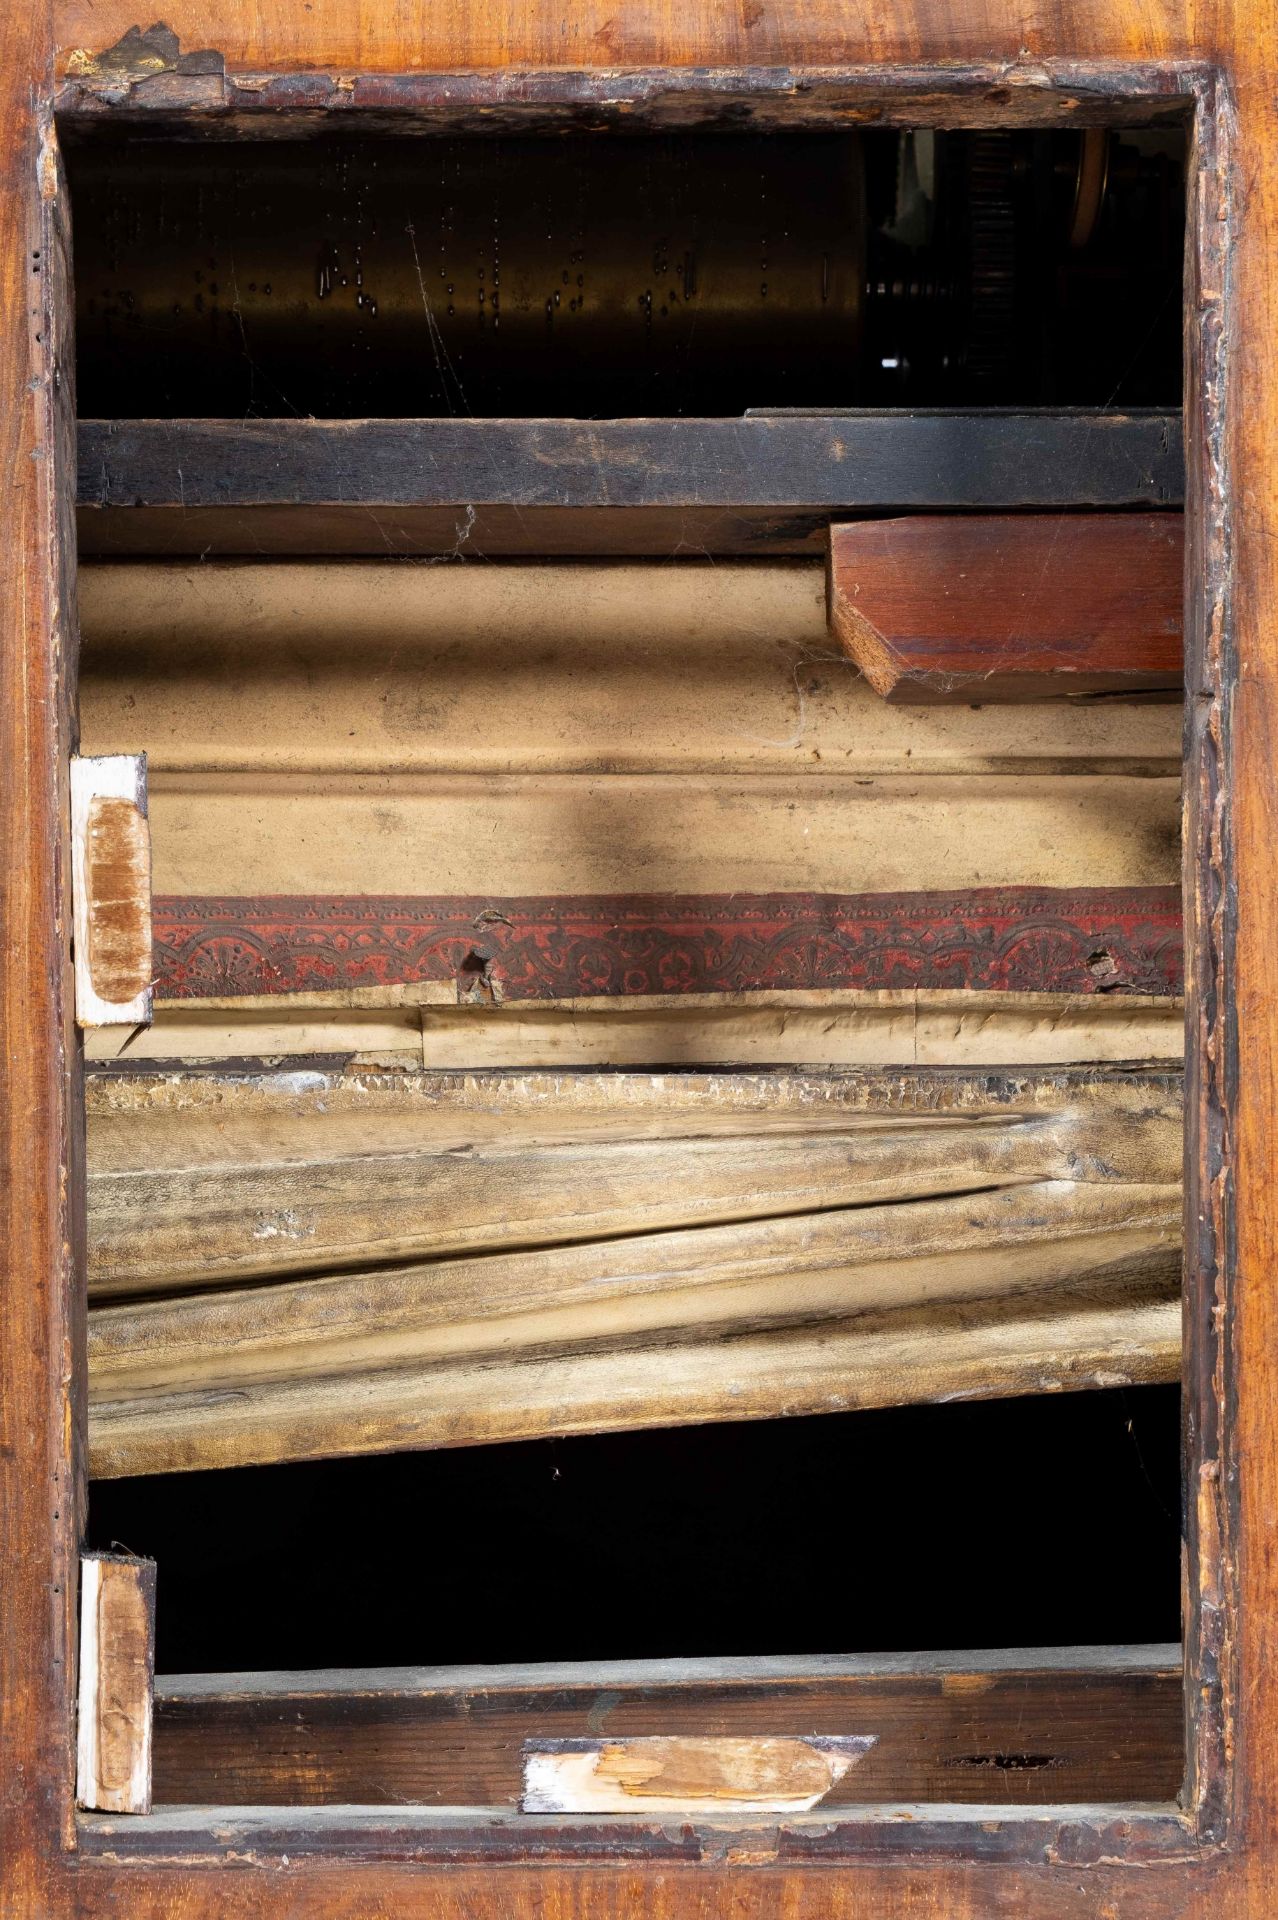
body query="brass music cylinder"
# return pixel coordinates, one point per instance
(582, 275)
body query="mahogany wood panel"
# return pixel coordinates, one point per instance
(981, 58)
(765, 479)
(1010, 607)
(41, 1328)
(1069, 1724)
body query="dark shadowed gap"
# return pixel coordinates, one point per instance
(1027, 1522)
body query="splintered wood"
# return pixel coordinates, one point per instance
(111, 887)
(526, 1254)
(117, 1664)
(772, 1773)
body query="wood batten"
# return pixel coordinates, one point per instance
(688, 668)
(452, 485)
(1011, 607)
(899, 1028)
(933, 1237)
(200, 1179)
(117, 1662)
(1069, 1724)
(523, 835)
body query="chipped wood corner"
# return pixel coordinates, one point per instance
(769, 1773)
(1084, 604)
(140, 55)
(117, 1683)
(111, 890)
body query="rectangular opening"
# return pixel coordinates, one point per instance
(650, 1202)
(613, 275)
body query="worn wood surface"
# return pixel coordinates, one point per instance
(1075, 1724)
(466, 834)
(1010, 607)
(1115, 1330)
(117, 1665)
(41, 1458)
(823, 1241)
(761, 470)
(200, 1179)
(470, 532)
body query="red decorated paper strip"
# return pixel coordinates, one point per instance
(987, 939)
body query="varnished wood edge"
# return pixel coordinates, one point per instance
(194, 96)
(1211, 672)
(42, 1330)
(1163, 1844)
(1054, 1837)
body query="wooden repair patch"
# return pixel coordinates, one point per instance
(780, 1773)
(117, 1671)
(117, 865)
(111, 884)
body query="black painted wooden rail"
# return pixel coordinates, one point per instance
(765, 482)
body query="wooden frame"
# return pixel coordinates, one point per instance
(978, 63)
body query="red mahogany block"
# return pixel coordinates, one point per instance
(1010, 606)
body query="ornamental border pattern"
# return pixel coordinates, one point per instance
(986, 939)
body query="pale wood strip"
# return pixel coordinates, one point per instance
(117, 1662)
(970, 1350)
(111, 890)
(673, 1773)
(389, 668)
(890, 1029)
(196, 1180)
(661, 833)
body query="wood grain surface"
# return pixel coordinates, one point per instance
(197, 1179)
(922, 1236)
(1083, 1724)
(681, 1773)
(111, 889)
(117, 1666)
(147, 486)
(715, 668)
(1010, 607)
(909, 1027)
